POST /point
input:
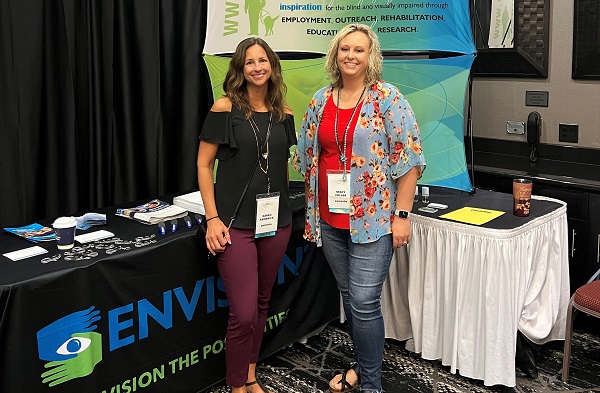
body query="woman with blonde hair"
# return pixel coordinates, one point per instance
(359, 150)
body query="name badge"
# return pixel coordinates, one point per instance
(338, 190)
(267, 211)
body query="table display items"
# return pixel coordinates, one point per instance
(425, 194)
(89, 220)
(522, 197)
(65, 227)
(191, 202)
(33, 232)
(153, 212)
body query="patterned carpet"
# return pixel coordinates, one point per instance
(307, 368)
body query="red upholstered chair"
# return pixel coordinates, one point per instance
(587, 299)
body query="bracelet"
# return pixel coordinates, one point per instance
(208, 219)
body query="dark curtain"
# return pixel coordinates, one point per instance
(101, 103)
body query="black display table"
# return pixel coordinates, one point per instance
(151, 316)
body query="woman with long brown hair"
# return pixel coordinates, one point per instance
(250, 131)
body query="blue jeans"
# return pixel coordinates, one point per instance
(360, 270)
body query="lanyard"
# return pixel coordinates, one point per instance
(343, 150)
(262, 148)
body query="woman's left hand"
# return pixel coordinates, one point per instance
(401, 232)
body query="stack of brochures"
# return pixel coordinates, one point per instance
(33, 232)
(153, 212)
(191, 202)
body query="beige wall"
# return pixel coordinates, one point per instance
(498, 100)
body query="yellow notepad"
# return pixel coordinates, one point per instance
(472, 215)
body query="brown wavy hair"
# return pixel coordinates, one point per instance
(374, 64)
(234, 85)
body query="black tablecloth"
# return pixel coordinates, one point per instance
(150, 317)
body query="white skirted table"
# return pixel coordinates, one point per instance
(470, 288)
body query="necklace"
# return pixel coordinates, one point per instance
(342, 152)
(262, 147)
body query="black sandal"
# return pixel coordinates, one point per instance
(259, 383)
(347, 386)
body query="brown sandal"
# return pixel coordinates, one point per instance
(346, 386)
(257, 382)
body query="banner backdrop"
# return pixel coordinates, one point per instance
(401, 25)
(435, 88)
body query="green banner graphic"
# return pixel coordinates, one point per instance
(402, 25)
(435, 88)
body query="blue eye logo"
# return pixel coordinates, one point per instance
(70, 346)
(74, 345)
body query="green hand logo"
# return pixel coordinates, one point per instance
(83, 364)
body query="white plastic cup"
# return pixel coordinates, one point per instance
(416, 194)
(64, 227)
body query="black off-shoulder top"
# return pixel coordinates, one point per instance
(237, 156)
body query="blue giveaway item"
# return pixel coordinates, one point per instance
(90, 219)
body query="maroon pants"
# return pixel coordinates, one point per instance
(248, 268)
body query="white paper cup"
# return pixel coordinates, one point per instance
(64, 227)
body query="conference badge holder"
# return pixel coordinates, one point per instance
(267, 210)
(338, 190)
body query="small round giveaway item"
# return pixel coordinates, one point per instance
(64, 227)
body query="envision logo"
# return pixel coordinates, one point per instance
(73, 349)
(71, 346)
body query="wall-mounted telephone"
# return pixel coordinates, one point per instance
(534, 130)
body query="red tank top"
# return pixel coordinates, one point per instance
(330, 155)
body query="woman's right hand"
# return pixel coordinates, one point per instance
(217, 236)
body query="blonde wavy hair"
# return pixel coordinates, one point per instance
(374, 64)
(234, 85)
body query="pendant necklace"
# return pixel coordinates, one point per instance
(262, 148)
(343, 150)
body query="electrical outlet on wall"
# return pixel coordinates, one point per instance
(568, 133)
(515, 127)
